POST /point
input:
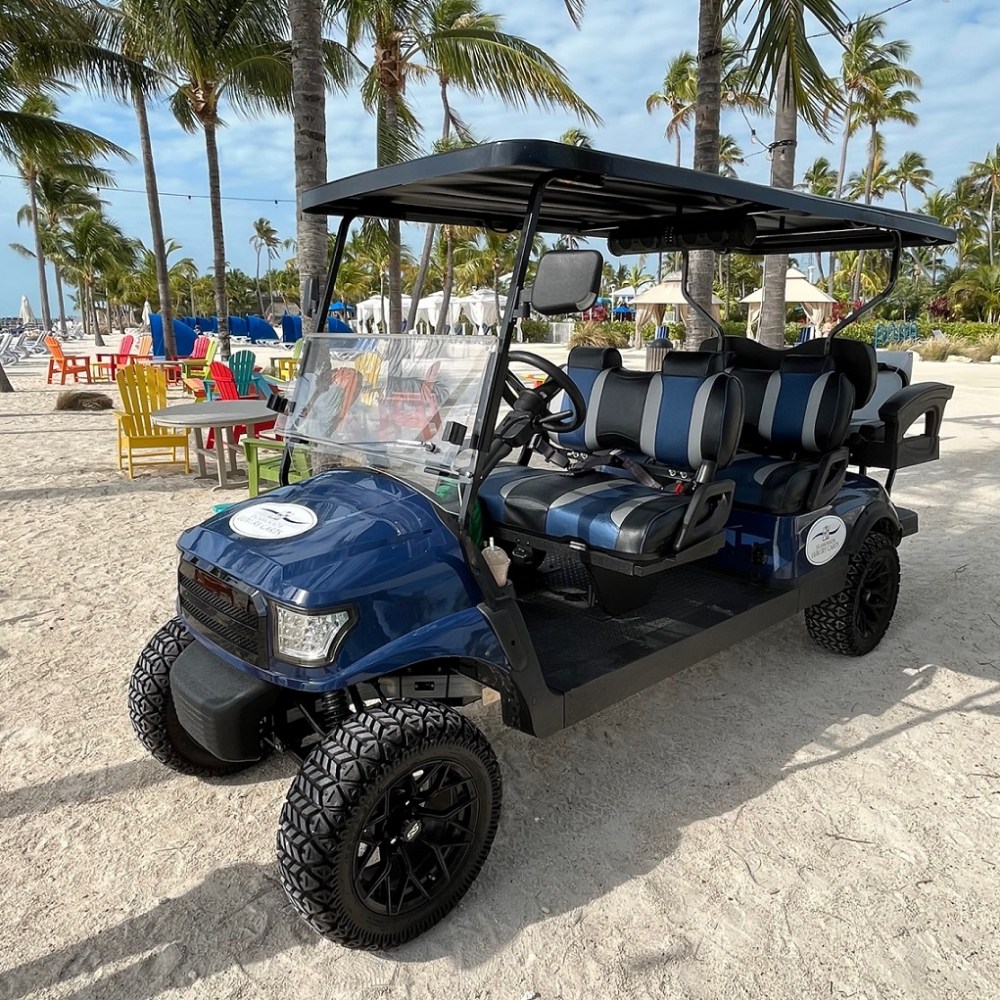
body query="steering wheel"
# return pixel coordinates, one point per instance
(521, 397)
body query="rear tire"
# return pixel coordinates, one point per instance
(154, 718)
(853, 621)
(388, 823)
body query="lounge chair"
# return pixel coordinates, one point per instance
(143, 391)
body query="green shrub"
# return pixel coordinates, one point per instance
(535, 331)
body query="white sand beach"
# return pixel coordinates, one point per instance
(775, 823)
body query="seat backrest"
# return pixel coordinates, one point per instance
(806, 407)
(199, 347)
(889, 381)
(125, 348)
(241, 365)
(689, 413)
(210, 350)
(55, 348)
(143, 390)
(222, 377)
(144, 345)
(583, 366)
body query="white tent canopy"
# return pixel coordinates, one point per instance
(798, 289)
(628, 293)
(373, 309)
(652, 303)
(429, 310)
(481, 306)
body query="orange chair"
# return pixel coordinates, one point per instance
(65, 364)
(105, 365)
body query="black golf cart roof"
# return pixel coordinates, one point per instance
(603, 194)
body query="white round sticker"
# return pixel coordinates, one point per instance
(825, 539)
(273, 520)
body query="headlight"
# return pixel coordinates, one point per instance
(308, 637)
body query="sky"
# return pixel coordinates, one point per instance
(614, 62)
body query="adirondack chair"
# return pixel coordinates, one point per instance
(264, 455)
(241, 364)
(105, 365)
(143, 391)
(225, 388)
(198, 349)
(143, 348)
(286, 368)
(65, 364)
(198, 368)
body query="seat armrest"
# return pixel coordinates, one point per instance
(900, 411)
(707, 513)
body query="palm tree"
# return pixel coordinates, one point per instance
(265, 237)
(986, 175)
(62, 196)
(211, 53)
(911, 172)
(772, 33)
(979, 291)
(820, 179)
(68, 154)
(868, 64)
(576, 136)
(466, 49)
(677, 95)
(730, 156)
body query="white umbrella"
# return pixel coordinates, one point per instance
(146, 312)
(27, 315)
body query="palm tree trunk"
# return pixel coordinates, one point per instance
(449, 279)
(708, 105)
(989, 221)
(677, 137)
(155, 225)
(840, 182)
(43, 285)
(260, 297)
(218, 237)
(395, 249)
(309, 118)
(95, 317)
(60, 298)
(773, 307)
(859, 270)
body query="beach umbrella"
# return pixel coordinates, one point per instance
(147, 310)
(623, 311)
(27, 315)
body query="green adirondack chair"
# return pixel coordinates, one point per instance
(241, 364)
(264, 464)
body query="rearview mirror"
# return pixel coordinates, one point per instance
(566, 281)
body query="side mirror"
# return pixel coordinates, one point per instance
(566, 281)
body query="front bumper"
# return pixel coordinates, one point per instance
(223, 709)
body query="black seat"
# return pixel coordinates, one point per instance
(797, 419)
(688, 416)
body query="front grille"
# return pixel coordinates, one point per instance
(227, 616)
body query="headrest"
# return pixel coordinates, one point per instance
(747, 353)
(798, 365)
(696, 364)
(596, 358)
(854, 358)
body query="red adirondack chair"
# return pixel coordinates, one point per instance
(106, 365)
(225, 388)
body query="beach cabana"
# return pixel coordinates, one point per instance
(652, 303)
(799, 289)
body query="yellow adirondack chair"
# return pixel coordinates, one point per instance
(198, 367)
(287, 368)
(143, 391)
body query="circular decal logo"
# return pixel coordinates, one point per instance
(825, 539)
(273, 520)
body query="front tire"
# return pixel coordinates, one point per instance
(853, 621)
(154, 717)
(388, 823)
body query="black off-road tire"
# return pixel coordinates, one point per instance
(345, 778)
(151, 708)
(853, 621)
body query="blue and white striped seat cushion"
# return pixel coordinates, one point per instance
(603, 510)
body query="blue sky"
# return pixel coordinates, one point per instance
(615, 61)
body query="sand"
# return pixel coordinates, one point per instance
(777, 822)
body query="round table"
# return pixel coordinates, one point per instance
(221, 417)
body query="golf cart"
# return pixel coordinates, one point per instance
(443, 528)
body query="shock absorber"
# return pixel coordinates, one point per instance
(332, 709)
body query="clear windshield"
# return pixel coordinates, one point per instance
(403, 404)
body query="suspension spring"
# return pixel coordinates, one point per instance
(332, 709)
